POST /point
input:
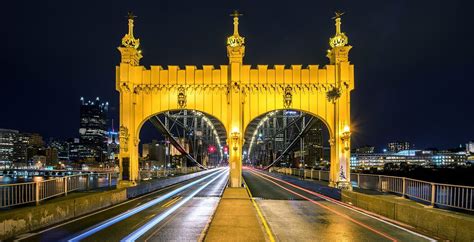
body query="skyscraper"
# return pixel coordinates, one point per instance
(7, 143)
(314, 144)
(93, 129)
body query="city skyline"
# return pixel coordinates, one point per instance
(409, 104)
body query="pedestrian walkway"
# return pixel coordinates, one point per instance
(235, 219)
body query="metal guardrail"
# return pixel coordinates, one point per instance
(35, 192)
(311, 174)
(436, 194)
(148, 174)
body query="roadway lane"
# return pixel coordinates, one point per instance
(295, 214)
(191, 203)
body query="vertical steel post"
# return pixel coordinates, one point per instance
(433, 193)
(65, 185)
(37, 192)
(380, 182)
(403, 187)
(87, 181)
(358, 180)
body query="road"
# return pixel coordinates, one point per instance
(298, 214)
(180, 212)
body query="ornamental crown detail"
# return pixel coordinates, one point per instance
(235, 40)
(340, 39)
(129, 40)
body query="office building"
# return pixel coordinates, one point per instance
(398, 146)
(7, 145)
(365, 150)
(92, 131)
(424, 158)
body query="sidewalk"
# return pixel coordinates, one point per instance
(235, 219)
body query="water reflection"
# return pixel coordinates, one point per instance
(21, 179)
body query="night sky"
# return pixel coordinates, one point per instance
(413, 59)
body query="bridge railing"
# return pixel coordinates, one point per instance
(35, 192)
(435, 194)
(150, 174)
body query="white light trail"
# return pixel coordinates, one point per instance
(150, 224)
(129, 213)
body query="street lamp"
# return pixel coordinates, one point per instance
(346, 137)
(235, 137)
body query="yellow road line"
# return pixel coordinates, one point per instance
(264, 222)
(169, 203)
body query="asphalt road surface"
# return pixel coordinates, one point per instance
(297, 214)
(179, 212)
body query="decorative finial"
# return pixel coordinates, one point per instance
(236, 15)
(130, 15)
(338, 14)
(129, 40)
(340, 39)
(235, 40)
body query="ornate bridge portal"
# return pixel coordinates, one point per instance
(236, 94)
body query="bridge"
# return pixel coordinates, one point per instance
(260, 184)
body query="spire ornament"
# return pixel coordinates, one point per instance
(339, 51)
(340, 39)
(129, 40)
(235, 40)
(129, 49)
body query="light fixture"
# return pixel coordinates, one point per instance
(346, 137)
(235, 137)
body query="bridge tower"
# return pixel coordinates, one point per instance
(236, 94)
(235, 52)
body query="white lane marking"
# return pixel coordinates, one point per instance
(350, 207)
(150, 224)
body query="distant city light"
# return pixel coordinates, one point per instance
(211, 149)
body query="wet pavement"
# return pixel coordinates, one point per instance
(183, 216)
(294, 214)
(183, 212)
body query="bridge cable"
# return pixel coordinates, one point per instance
(162, 128)
(293, 143)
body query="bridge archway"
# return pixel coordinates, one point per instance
(180, 138)
(236, 94)
(339, 171)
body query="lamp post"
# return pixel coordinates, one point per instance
(346, 137)
(344, 178)
(235, 137)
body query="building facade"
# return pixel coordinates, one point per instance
(92, 131)
(7, 146)
(398, 146)
(365, 150)
(424, 158)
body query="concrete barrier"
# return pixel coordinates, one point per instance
(444, 224)
(22, 220)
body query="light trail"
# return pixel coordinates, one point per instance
(328, 208)
(153, 222)
(140, 208)
(355, 209)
